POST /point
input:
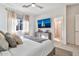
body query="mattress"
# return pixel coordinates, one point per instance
(31, 48)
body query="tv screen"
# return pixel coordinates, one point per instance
(44, 23)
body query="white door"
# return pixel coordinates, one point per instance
(77, 30)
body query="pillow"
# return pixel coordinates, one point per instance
(2, 33)
(3, 43)
(11, 41)
(17, 39)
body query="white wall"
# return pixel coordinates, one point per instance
(51, 14)
(3, 19)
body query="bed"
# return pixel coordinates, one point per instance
(30, 48)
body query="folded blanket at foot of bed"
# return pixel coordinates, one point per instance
(37, 39)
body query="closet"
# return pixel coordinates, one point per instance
(77, 29)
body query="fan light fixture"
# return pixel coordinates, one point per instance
(33, 5)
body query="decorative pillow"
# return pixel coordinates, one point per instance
(2, 33)
(11, 41)
(3, 43)
(17, 39)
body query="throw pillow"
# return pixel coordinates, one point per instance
(11, 41)
(3, 43)
(17, 39)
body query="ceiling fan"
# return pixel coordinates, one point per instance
(32, 5)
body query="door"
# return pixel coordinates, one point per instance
(77, 30)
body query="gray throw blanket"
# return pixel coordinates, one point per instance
(37, 39)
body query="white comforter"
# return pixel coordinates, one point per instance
(30, 48)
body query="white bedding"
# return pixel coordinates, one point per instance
(26, 49)
(31, 48)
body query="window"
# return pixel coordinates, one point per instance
(22, 24)
(19, 25)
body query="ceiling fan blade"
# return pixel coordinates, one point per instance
(38, 6)
(26, 6)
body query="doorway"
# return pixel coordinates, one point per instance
(58, 28)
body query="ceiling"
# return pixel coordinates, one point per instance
(34, 10)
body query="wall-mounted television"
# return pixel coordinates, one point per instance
(44, 23)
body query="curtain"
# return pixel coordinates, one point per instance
(26, 17)
(11, 21)
(26, 24)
